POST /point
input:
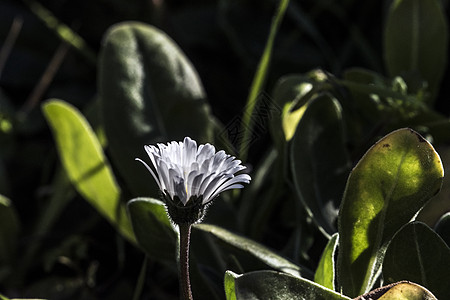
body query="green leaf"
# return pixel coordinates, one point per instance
(325, 273)
(9, 232)
(229, 283)
(443, 228)
(85, 163)
(415, 41)
(402, 290)
(407, 291)
(6, 298)
(276, 285)
(439, 205)
(319, 177)
(388, 186)
(418, 254)
(249, 252)
(260, 78)
(153, 229)
(149, 92)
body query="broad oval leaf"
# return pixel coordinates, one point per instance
(319, 177)
(249, 251)
(388, 186)
(275, 285)
(402, 290)
(418, 254)
(408, 291)
(154, 232)
(325, 272)
(415, 38)
(85, 163)
(149, 92)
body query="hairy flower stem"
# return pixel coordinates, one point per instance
(185, 284)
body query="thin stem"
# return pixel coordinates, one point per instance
(185, 284)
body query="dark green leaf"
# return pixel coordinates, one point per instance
(149, 92)
(282, 286)
(85, 163)
(325, 273)
(9, 231)
(415, 38)
(388, 186)
(153, 229)
(260, 78)
(247, 251)
(443, 228)
(418, 254)
(319, 177)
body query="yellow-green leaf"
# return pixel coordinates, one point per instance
(85, 163)
(388, 186)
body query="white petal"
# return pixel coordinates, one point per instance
(216, 193)
(223, 185)
(151, 172)
(214, 185)
(180, 189)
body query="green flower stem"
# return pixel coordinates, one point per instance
(185, 284)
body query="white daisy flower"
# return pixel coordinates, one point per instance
(186, 173)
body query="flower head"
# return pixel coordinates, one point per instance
(191, 176)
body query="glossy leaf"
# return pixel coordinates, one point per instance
(319, 178)
(9, 232)
(276, 285)
(388, 186)
(407, 291)
(154, 232)
(418, 254)
(439, 205)
(402, 290)
(416, 38)
(246, 250)
(325, 272)
(149, 92)
(85, 163)
(443, 228)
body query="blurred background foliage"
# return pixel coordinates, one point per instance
(49, 49)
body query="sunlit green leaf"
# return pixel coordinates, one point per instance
(149, 92)
(418, 254)
(152, 227)
(85, 163)
(276, 285)
(319, 178)
(415, 38)
(388, 186)
(230, 292)
(6, 298)
(325, 272)
(250, 252)
(439, 205)
(402, 290)
(407, 291)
